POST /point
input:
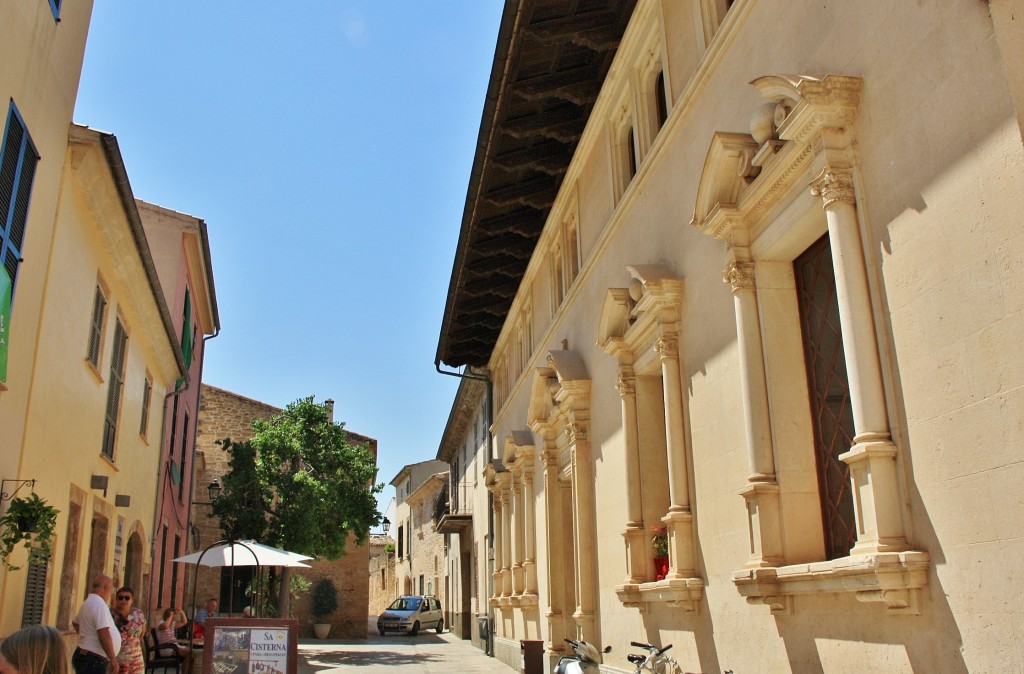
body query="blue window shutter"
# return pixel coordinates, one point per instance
(18, 159)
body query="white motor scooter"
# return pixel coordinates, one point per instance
(586, 661)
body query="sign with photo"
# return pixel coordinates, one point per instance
(250, 646)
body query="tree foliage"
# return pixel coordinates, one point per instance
(299, 484)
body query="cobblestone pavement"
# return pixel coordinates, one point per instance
(426, 653)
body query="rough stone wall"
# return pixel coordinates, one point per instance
(349, 576)
(222, 414)
(228, 415)
(428, 549)
(383, 583)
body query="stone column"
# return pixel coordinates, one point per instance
(762, 492)
(498, 544)
(639, 564)
(679, 520)
(506, 536)
(516, 494)
(583, 516)
(530, 524)
(872, 459)
(555, 613)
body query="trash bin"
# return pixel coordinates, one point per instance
(532, 656)
(484, 627)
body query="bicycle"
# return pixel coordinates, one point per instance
(655, 660)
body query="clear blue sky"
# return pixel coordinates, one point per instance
(328, 147)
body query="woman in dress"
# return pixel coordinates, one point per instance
(131, 622)
(34, 650)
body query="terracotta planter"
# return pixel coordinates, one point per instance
(321, 630)
(660, 567)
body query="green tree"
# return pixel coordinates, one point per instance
(299, 484)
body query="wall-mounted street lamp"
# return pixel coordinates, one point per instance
(214, 489)
(386, 524)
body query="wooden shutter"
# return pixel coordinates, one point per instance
(99, 310)
(35, 589)
(114, 391)
(17, 171)
(147, 391)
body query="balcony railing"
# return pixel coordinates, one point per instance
(453, 510)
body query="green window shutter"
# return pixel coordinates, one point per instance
(18, 159)
(117, 357)
(99, 312)
(147, 392)
(35, 589)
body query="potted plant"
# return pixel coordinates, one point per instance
(659, 550)
(325, 602)
(29, 521)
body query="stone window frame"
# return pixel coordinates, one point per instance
(559, 413)
(760, 194)
(640, 326)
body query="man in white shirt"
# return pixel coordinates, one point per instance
(98, 638)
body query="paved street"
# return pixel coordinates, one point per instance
(427, 653)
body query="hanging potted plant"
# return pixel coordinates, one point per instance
(659, 550)
(29, 521)
(325, 602)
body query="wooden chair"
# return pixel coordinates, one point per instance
(155, 660)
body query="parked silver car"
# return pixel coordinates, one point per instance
(410, 613)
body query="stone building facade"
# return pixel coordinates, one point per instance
(228, 415)
(746, 275)
(382, 583)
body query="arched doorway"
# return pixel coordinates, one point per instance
(133, 563)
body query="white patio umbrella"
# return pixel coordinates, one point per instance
(243, 553)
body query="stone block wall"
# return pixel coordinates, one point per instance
(383, 582)
(349, 576)
(223, 414)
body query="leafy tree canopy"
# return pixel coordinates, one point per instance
(299, 484)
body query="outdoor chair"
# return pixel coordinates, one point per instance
(155, 660)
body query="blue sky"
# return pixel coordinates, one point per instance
(328, 147)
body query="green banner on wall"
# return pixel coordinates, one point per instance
(5, 320)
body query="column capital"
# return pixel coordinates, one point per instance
(833, 185)
(576, 432)
(740, 275)
(667, 346)
(626, 385)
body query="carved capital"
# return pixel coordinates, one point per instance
(576, 432)
(626, 386)
(833, 186)
(667, 346)
(740, 275)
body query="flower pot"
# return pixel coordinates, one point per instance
(660, 567)
(321, 630)
(27, 525)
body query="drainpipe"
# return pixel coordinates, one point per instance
(489, 419)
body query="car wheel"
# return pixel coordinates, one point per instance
(415, 629)
(440, 626)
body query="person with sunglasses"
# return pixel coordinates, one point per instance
(131, 623)
(98, 637)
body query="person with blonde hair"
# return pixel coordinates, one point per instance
(38, 649)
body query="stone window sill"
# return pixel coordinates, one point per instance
(891, 578)
(684, 593)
